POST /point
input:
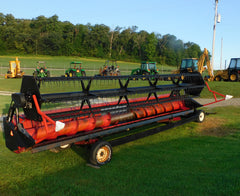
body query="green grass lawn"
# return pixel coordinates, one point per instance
(14, 85)
(194, 159)
(5, 102)
(29, 64)
(91, 65)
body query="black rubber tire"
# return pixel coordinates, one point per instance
(218, 78)
(200, 116)
(35, 73)
(233, 76)
(48, 73)
(100, 153)
(134, 77)
(145, 74)
(83, 73)
(60, 148)
(72, 74)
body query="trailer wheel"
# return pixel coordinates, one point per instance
(65, 146)
(100, 153)
(60, 148)
(201, 116)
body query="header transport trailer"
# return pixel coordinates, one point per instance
(57, 112)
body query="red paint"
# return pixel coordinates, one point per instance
(46, 130)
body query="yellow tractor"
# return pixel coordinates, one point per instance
(232, 73)
(196, 65)
(14, 70)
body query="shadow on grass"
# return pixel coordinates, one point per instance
(175, 162)
(183, 166)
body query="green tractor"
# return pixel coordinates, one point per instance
(41, 72)
(75, 70)
(146, 68)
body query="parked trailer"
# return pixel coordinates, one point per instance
(86, 114)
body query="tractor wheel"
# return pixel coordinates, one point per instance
(145, 74)
(48, 73)
(134, 77)
(83, 73)
(218, 78)
(200, 116)
(72, 74)
(100, 153)
(233, 77)
(35, 73)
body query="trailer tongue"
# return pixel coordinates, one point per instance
(83, 110)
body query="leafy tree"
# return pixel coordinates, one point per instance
(192, 50)
(50, 36)
(150, 47)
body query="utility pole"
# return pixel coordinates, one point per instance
(214, 32)
(221, 54)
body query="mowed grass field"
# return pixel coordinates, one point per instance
(194, 159)
(58, 65)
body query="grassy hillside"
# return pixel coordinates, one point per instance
(194, 159)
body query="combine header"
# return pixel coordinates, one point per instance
(56, 112)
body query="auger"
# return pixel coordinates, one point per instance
(85, 110)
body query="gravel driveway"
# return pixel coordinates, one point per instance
(230, 102)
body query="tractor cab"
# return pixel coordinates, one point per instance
(234, 69)
(41, 70)
(146, 68)
(189, 65)
(235, 64)
(110, 69)
(75, 70)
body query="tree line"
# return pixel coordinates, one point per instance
(49, 36)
